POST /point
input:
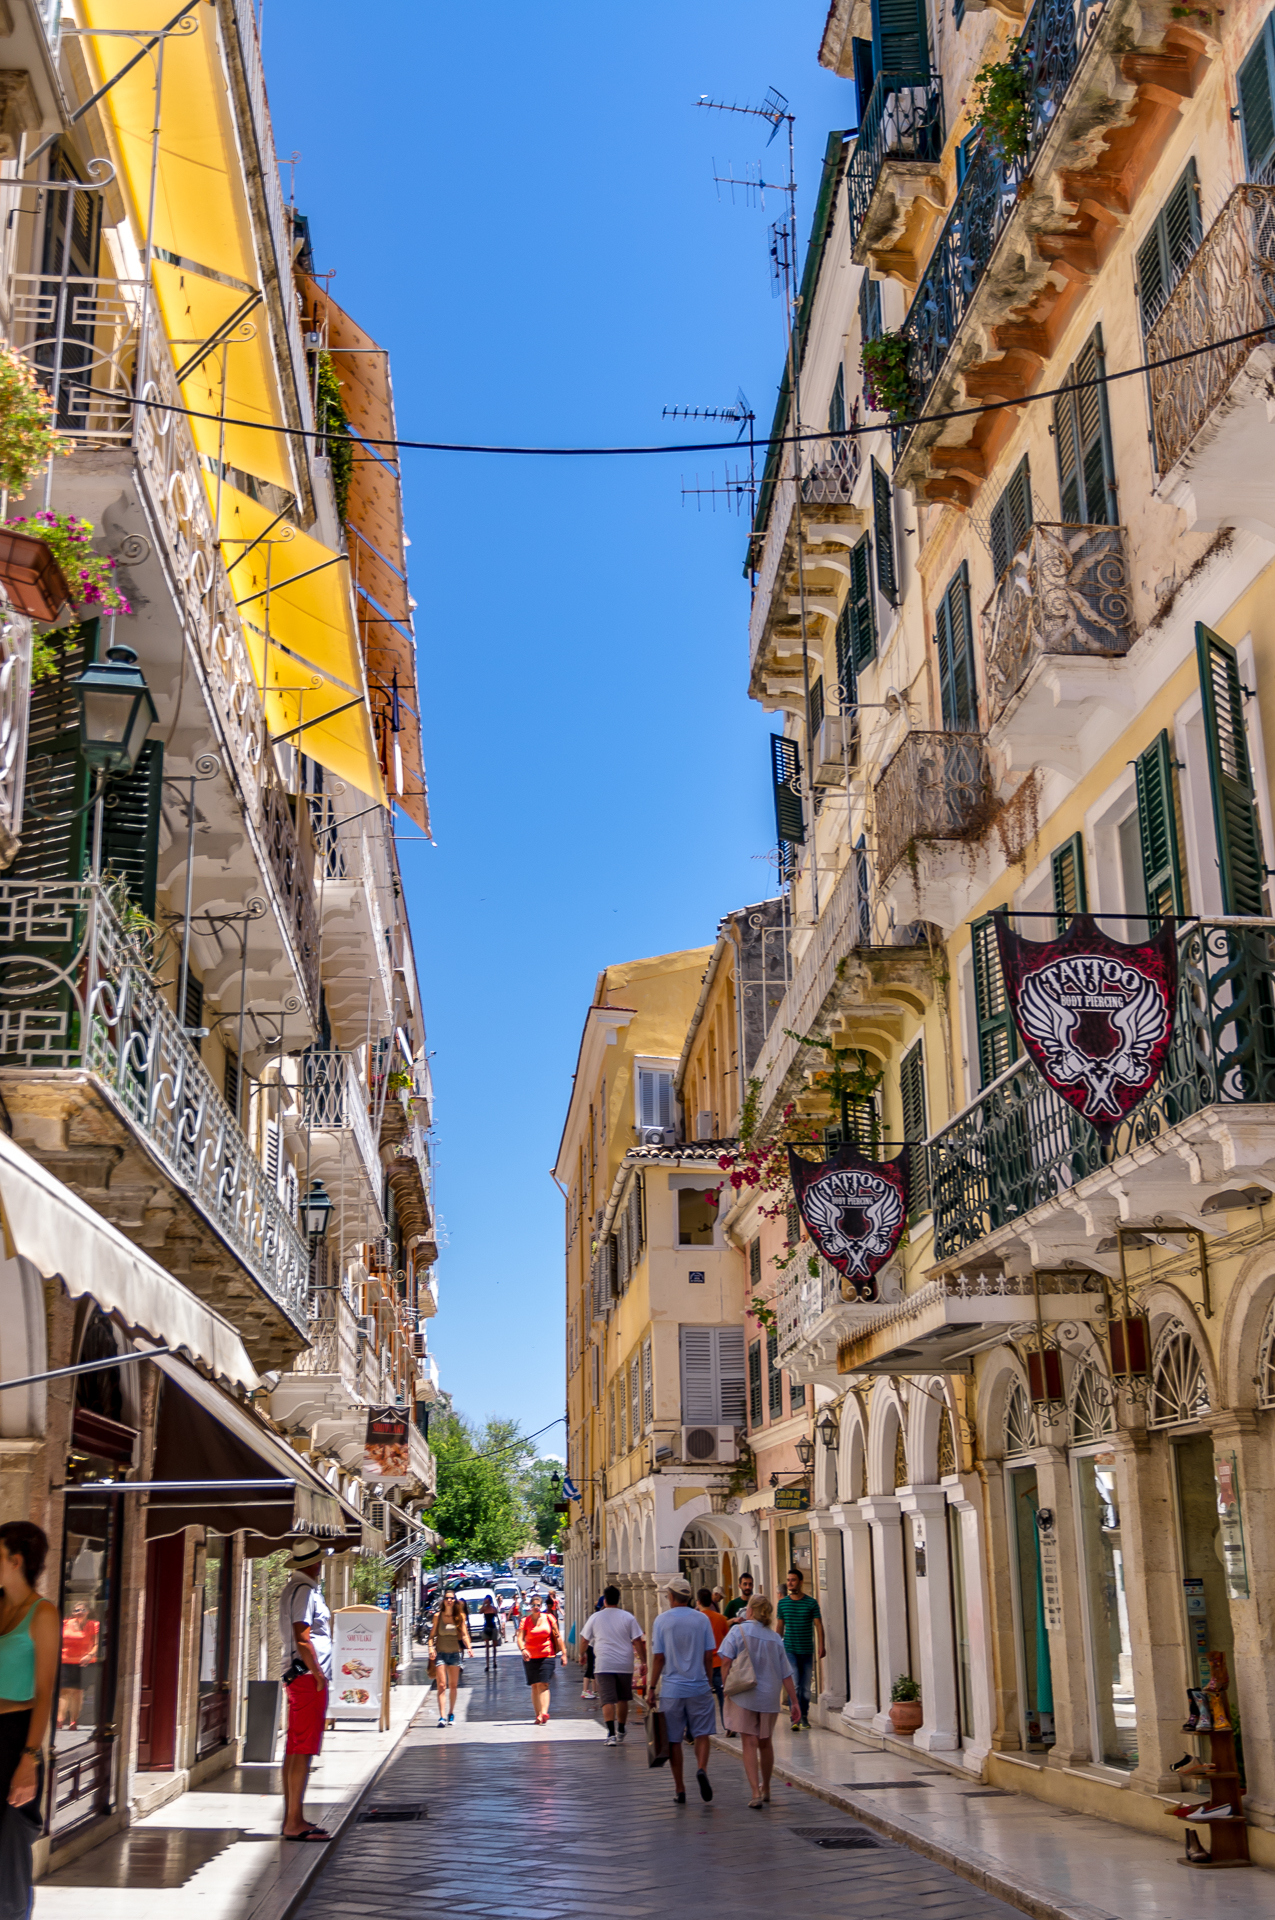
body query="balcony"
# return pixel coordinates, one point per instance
(427, 1296)
(333, 1354)
(106, 1090)
(817, 1312)
(95, 344)
(333, 1115)
(937, 787)
(1020, 1174)
(832, 480)
(427, 1378)
(407, 1168)
(421, 1461)
(940, 1327)
(1212, 424)
(894, 182)
(1107, 85)
(1066, 593)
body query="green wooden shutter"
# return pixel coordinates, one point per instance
(1169, 246)
(1011, 518)
(837, 405)
(1082, 442)
(1158, 830)
(774, 1378)
(1241, 861)
(883, 523)
(954, 636)
(915, 1127)
(754, 1384)
(785, 765)
(861, 55)
(869, 309)
(863, 622)
(900, 37)
(847, 686)
(997, 1039)
(1257, 105)
(1068, 867)
(57, 778)
(816, 710)
(130, 826)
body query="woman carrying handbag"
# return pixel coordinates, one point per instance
(756, 1673)
(449, 1642)
(539, 1641)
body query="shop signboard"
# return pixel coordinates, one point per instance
(792, 1499)
(1050, 1579)
(386, 1455)
(360, 1665)
(854, 1210)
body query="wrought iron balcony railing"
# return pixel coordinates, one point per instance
(831, 482)
(76, 992)
(903, 121)
(95, 345)
(15, 708)
(1066, 592)
(801, 1301)
(334, 1099)
(938, 786)
(1018, 1145)
(1228, 290)
(1055, 36)
(334, 1339)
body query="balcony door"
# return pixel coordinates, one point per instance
(900, 37)
(1082, 441)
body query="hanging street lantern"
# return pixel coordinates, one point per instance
(316, 1210)
(828, 1427)
(116, 711)
(805, 1450)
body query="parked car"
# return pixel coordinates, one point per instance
(508, 1596)
(471, 1598)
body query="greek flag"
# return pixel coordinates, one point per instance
(570, 1488)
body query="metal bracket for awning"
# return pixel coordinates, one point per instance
(102, 33)
(277, 586)
(318, 720)
(183, 1486)
(85, 1366)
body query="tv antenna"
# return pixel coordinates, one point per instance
(738, 486)
(785, 259)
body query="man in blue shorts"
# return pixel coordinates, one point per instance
(684, 1646)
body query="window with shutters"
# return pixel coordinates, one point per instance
(915, 1127)
(230, 1082)
(883, 527)
(1158, 832)
(796, 1396)
(861, 57)
(785, 767)
(1165, 253)
(1241, 861)
(869, 309)
(621, 1412)
(755, 1410)
(611, 1419)
(816, 706)
(713, 1388)
(774, 1379)
(900, 36)
(997, 1040)
(648, 1387)
(635, 1221)
(856, 624)
(654, 1099)
(837, 405)
(754, 1264)
(954, 637)
(635, 1396)
(1011, 519)
(270, 1158)
(595, 1375)
(1067, 869)
(793, 1219)
(966, 149)
(1257, 104)
(1082, 441)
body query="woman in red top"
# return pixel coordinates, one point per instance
(538, 1641)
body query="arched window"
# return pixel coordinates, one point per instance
(1019, 1437)
(1091, 1412)
(1178, 1389)
(947, 1447)
(1266, 1362)
(900, 1457)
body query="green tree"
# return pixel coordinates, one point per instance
(481, 1508)
(541, 1494)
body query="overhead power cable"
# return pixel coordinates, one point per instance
(715, 446)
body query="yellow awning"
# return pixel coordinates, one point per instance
(202, 219)
(302, 638)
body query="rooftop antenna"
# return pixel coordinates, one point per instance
(785, 261)
(737, 487)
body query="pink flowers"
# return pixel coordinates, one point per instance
(90, 575)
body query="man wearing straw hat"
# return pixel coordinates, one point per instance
(305, 1630)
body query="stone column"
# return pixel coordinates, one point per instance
(1248, 1436)
(890, 1594)
(966, 1502)
(856, 1554)
(1153, 1598)
(832, 1606)
(927, 1509)
(1073, 1736)
(997, 1594)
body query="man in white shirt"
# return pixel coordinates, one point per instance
(305, 1633)
(614, 1635)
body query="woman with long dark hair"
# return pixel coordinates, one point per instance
(539, 1641)
(30, 1643)
(449, 1642)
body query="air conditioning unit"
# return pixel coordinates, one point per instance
(709, 1446)
(658, 1137)
(378, 1256)
(704, 1124)
(418, 1346)
(374, 1514)
(367, 1327)
(835, 743)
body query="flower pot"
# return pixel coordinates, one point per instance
(1025, 189)
(32, 577)
(906, 1715)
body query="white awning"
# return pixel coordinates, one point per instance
(62, 1237)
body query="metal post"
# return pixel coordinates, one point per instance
(190, 881)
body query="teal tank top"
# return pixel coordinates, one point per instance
(17, 1660)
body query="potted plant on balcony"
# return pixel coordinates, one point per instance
(1002, 107)
(905, 1705)
(73, 574)
(28, 434)
(887, 383)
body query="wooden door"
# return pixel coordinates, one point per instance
(161, 1651)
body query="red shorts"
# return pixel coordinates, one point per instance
(307, 1711)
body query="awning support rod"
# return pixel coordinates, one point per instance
(318, 720)
(291, 581)
(141, 54)
(85, 1366)
(180, 1486)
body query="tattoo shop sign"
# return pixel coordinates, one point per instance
(854, 1210)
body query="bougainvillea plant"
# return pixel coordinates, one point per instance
(27, 431)
(887, 384)
(89, 575)
(1002, 106)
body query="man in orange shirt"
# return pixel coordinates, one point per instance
(721, 1627)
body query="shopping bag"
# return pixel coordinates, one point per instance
(656, 1739)
(742, 1677)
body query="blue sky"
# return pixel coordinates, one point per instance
(519, 204)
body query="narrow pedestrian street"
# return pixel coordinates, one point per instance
(545, 1822)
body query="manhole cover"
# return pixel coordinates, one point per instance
(382, 1816)
(841, 1838)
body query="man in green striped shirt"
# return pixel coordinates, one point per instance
(801, 1625)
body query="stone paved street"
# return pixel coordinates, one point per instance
(537, 1823)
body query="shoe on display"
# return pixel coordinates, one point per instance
(1185, 1761)
(1214, 1813)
